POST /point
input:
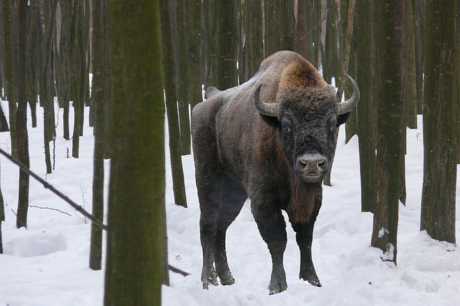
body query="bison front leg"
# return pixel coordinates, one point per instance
(304, 237)
(272, 228)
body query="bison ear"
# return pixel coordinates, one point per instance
(341, 119)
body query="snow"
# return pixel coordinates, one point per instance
(47, 264)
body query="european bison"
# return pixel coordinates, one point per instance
(270, 139)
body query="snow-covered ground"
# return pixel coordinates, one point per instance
(47, 264)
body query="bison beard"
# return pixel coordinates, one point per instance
(303, 200)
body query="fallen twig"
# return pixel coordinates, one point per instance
(40, 207)
(179, 271)
(54, 190)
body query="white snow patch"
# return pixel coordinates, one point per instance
(382, 232)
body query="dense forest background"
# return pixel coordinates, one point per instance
(106, 56)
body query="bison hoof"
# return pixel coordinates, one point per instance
(210, 279)
(313, 280)
(277, 287)
(206, 285)
(227, 280)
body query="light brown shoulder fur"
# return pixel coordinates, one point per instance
(300, 73)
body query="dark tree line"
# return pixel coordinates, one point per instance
(49, 48)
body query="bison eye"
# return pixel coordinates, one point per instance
(332, 122)
(287, 125)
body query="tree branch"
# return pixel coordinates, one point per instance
(54, 190)
(176, 270)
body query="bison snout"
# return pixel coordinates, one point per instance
(312, 166)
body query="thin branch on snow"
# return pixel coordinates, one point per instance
(55, 191)
(41, 207)
(176, 270)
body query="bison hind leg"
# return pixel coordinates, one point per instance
(230, 204)
(208, 273)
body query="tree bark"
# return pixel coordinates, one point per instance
(99, 132)
(439, 138)
(254, 47)
(171, 105)
(62, 73)
(9, 75)
(279, 26)
(390, 44)
(303, 40)
(331, 67)
(227, 49)
(410, 90)
(48, 96)
(31, 71)
(134, 271)
(107, 85)
(23, 139)
(317, 8)
(2, 218)
(183, 73)
(419, 15)
(349, 37)
(194, 94)
(366, 114)
(345, 61)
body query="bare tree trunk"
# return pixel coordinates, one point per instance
(419, 16)
(31, 73)
(2, 217)
(171, 104)
(62, 67)
(48, 97)
(138, 181)
(391, 39)
(410, 90)
(227, 49)
(107, 86)
(254, 47)
(303, 41)
(194, 95)
(9, 75)
(23, 139)
(182, 85)
(99, 97)
(210, 23)
(351, 126)
(366, 108)
(279, 26)
(317, 8)
(331, 62)
(344, 68)
(439, 116)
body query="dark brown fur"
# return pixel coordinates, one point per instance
(240, 153)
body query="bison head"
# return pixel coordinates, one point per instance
(308, 117)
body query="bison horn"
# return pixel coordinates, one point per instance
(267, 109)
(347, 106)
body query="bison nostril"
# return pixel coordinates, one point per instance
(321, 163)
(312, 163)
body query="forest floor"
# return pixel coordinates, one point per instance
(47, 264)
